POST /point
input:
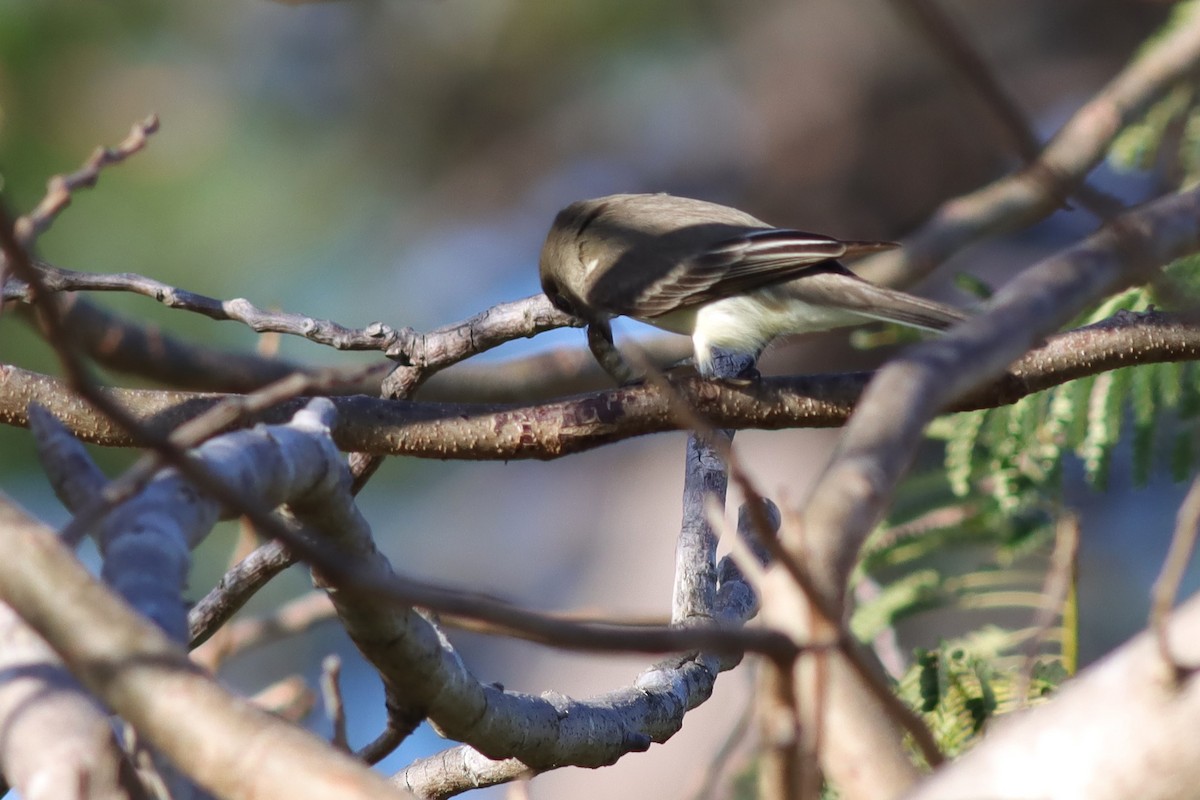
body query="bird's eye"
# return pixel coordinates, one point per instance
(558, 299)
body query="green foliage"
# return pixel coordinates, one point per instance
(1168, 135)
(1172, 123)
(962, 558)
(977, 534)
(958, 687)
(1015, 454)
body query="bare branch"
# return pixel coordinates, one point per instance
(73, 475)
(146, 542)
(591, 732)
(385, 743)
(426, 352)
(294, 617)
(57, 740)
(149, 681)
(554, 429)
(878, 443)
(131, 347)
(705, 481)
(134, 348)
(60, 187)
(236, 587)
(335, 708)
(945, 36)
(376, 336)
(1040, 188)
(1166, 587)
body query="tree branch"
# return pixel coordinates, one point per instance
(1041, 187)
(555, 429)
(879, 441)
(57, 740)
(149, 681)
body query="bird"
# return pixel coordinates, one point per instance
(717, 274)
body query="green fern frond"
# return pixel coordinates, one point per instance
(1138, 146)
(1184, 273)
(1172, 121)
(960, 450)
(1018, 423)
(1183, 458)
(1169, 384)
(1105, 413)
(1142, 402)
(1080, 393)
(957, 690)
(1015, 454)
(914, 592)
(1189, 393)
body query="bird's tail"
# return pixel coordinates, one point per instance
(854, 249)
(916, 312)
(837, 287)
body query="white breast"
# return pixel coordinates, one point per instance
(745, 324)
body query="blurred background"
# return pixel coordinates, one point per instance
(401, 161)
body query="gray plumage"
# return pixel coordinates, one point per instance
(718, 274)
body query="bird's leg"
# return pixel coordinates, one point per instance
(600, 342)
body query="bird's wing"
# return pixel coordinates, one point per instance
(741, 264)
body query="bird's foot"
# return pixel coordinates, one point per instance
(739, 369)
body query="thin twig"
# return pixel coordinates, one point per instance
(384, 744)
(1166, 586)
(133, 347)
(1056, 592)
(224, 415)
(60, 187)
(1038, 189)
(331, 693)
(429, 351)
(957, 48)
(292, 618)
(376, 336)
(237, 586)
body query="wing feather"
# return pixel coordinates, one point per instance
(741, 264)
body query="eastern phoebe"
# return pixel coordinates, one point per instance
(717, 274)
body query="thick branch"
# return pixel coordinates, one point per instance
(595, 731)
(413, 658)
(226, 745)
(554, 429)
(879, 441)
(57, 741)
